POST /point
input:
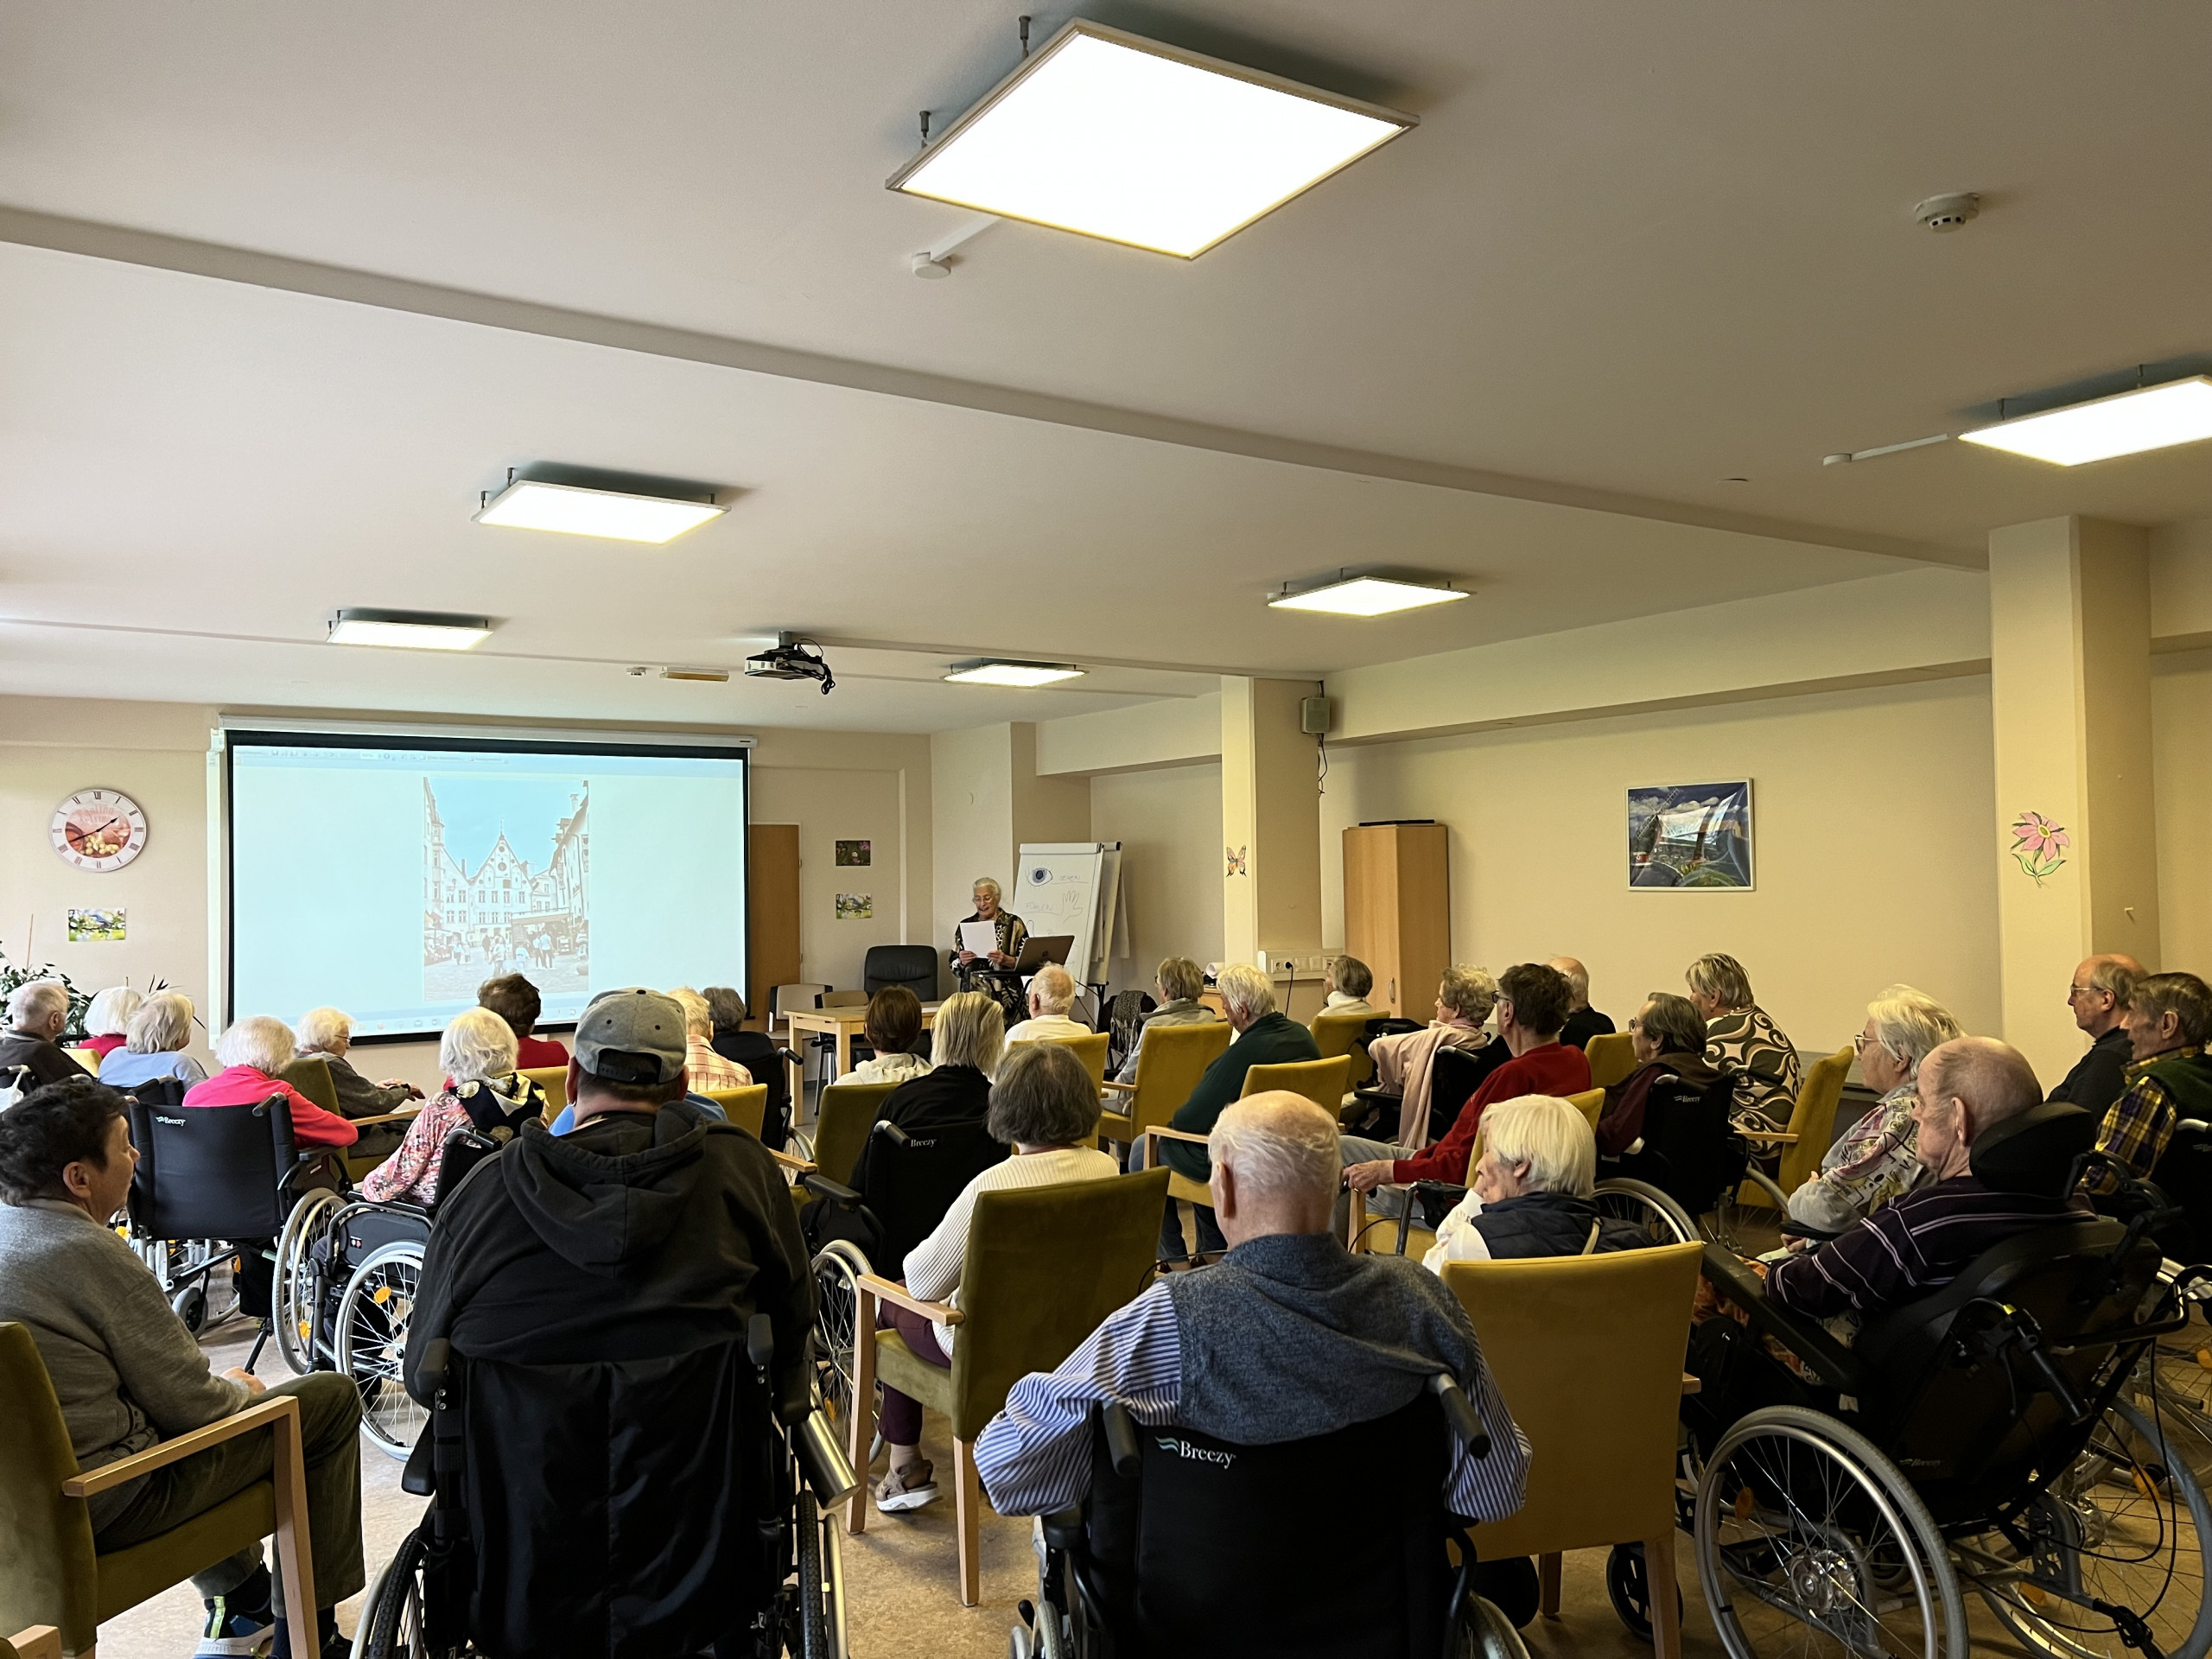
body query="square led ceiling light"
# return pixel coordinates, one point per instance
(1110, 134)
(2154, 417)
(1367, 596)
(612, 515)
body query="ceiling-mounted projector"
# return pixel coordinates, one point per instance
(791, 658)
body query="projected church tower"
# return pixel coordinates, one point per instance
(507, 915)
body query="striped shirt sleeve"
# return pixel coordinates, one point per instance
(1035, 1456)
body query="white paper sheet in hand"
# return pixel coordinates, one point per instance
(982, 938)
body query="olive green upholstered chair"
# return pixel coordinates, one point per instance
(310, 1075)
(843, 1118)
(1091, 1049)
(747, 1108)
(1045, 1266)
(1339, 1033)
(1613, 1058)
(50, 1570)
(1324, 1082)
(1169, 1065)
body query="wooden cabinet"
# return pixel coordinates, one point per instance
(772, 903)
(1398, 912)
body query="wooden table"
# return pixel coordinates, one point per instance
(842, 1024)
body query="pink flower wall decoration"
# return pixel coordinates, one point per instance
(2038, 845)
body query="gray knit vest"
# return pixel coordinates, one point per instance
(1291, 1335)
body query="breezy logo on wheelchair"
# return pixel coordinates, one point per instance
(1184, 1449)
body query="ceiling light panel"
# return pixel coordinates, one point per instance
(1367, 596)
(1110, 134)
(2155, 417)
(992, 672)
(409, 630)
(612, 515)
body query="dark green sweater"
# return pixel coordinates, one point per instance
(1272, 1039)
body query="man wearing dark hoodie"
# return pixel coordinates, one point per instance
(633, 1251)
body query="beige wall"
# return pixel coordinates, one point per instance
(1870, 813)
(832, 784)
(1168, 822)
(2181, 714)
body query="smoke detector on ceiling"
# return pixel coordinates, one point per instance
(1947, 213)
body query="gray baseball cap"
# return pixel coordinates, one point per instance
(632, 1035)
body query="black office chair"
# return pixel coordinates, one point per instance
(914, 966)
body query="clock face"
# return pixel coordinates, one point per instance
(99, 830)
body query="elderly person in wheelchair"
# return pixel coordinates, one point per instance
(483, 1092)
(1224, 1405)
(1968, 1432)
(612, 1334)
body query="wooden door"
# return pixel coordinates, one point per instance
(772, 903)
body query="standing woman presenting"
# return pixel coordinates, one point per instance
(993, 975)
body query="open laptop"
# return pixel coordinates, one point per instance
(1042, 948)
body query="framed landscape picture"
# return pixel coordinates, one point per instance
(1690, 835)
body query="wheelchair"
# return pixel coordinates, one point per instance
(1187, 1544)
(721, 1538)
(1691, 1153)
(346, 1273)
(1984, 1439)
(215, 1183)
(912, 1180)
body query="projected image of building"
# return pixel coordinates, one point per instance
(509, 913)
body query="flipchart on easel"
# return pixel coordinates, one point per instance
(1075, 887)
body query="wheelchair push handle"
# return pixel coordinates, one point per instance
(1121, 1442)
(1460, 1412)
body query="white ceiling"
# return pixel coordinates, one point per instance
(1628, 250)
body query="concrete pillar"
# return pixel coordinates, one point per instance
(1271, 821)
(2069, 650)
(986, 800)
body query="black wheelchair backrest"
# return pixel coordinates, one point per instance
(914, 1178)
(2034, 1152)
(213, 1171)
(1685, 1125)
(1220, 1547)
(2184, 1175)
(464, 1150)
(1954, 1399)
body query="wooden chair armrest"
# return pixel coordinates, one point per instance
(799, 1165)
(1161, 1132)
(1118, 1087)
(406, 1114)
(1770, 1137)
(35, 1642)
(1691, 1384)
(889, 1290)
(260, 1413)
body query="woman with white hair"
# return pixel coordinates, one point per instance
(992, 972)
(1874, 1160)
(326, 1034)
(253, 1054)
(107, 1018)
(483, 1091)
(155, 1046)
(1532, 1190)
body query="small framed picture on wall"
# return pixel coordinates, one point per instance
(1690, 835)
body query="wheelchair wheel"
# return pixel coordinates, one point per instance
(190, 1305)
(2127, 1525)
(837, 1269)
(1809, 1542)
(1627, 1585)
(1643, 1205)
(1747, 1230)
(391, 1608)
(813, 1620)
(371, 1327)
(1483, 1632)
(293, 1295)
(2182, 1371)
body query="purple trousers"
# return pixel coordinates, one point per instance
(902, 1420)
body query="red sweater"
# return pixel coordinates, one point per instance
(242, 1085)
(103, 1045)
(1554, 1068)
(532, 1053)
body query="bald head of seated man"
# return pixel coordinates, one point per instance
(1914, 1245)
(2098, 995)
(1287, 1337)
(1051, 994)
(1583, 1021)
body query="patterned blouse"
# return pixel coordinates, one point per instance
(411, 1174)
(1001, 985)
(1751, 1047)
(1870, 1163)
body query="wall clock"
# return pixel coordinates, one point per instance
(99, 830)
